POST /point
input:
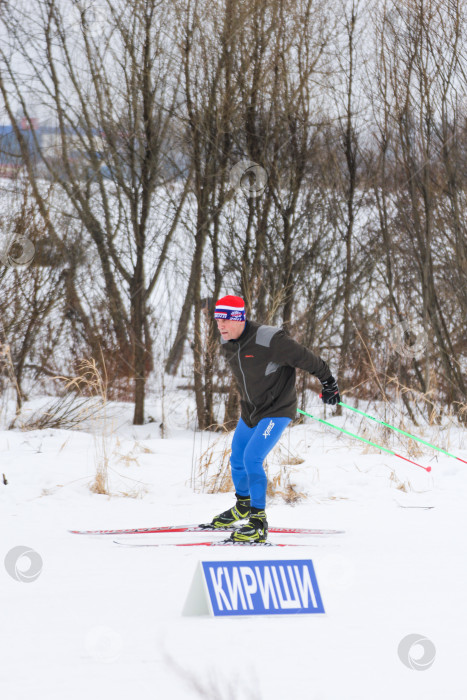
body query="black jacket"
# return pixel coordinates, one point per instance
(263, 361)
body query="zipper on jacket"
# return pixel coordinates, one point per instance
(244, 380)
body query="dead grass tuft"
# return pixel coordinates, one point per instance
(67, 412)
(213, 472)
(7, 366)
(285, 456)
(281, 486)
(91, 381)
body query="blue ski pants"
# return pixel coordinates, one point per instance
(249, 449)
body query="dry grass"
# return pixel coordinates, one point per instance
(211, 686)
(413, 412)
(282, 486)
(134, 490)
(213, 470)
(127, 459)
(404, 486)
(94, 383)
(285, 456)
(85, 406)
(130, 458)
(67, 412)
(134, 493)
(213, 474)
(7, 366)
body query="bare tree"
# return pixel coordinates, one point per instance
(112, 91)
(420, 65)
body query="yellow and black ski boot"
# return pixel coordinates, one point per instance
(240, 511)
(255, 530)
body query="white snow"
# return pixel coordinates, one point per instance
(103, 621)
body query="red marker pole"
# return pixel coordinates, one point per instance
(368, 442)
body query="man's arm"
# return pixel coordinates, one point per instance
(287, 351)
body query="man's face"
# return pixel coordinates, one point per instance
(230, 330)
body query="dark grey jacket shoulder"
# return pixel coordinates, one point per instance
(263, 361)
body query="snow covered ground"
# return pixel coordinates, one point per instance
(103, 621)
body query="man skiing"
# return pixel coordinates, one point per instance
(263, 360)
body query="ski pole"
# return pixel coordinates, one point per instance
(414, 437)
(373, 444)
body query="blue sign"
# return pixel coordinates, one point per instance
(274, 587)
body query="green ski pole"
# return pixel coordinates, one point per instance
(373, 444)
(414, 437)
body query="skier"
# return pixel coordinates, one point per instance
(263, 360)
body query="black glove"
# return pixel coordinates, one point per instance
(330, 393)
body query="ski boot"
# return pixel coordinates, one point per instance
(240, 511)
(255, 530)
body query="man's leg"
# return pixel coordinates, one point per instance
(241, 509)
(240, 440)
(265, 436)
